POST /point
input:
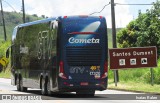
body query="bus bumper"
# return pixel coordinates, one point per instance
(75, 85)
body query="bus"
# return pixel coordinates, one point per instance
(63, 54)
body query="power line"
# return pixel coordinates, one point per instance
(132, 4)
(100, 10)
(9, 5)
(116, 4)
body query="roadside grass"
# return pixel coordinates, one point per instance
(6, 73)
(135, 86)
(136, 80)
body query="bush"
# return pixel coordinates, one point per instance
(3, 47)
(157, 74)
(138, 75)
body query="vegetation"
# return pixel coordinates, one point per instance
(143, 31)
(11, 20)
(3, 47)
(138, 86)
(138, 75)
(138, 80)
(109, 31)
(6, 73)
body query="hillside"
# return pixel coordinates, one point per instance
(11, 20)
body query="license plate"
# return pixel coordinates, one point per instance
(84, 83)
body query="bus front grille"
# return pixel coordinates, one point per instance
(83, 56)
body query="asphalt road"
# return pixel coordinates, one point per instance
(111, 96)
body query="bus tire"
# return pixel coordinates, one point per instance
(18, 84)
(48, 87)
(23, 89)
(1, 68)
(44, 87)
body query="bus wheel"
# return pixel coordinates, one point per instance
(44, 87)
(18, 84)
(1, 68)
(23, 89)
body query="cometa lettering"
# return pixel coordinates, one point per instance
(93, 40)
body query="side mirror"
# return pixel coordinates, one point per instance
(7, 53)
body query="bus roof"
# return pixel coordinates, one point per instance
(80, 16)
(59, 18)
(36, 22)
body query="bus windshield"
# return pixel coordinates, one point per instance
(82, 26)
(83, 31)
(83, 40)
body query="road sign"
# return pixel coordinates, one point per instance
(133, 57)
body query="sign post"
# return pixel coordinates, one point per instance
(114, 43)
(152, 75)
(139, 57)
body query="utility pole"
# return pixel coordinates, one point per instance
(23, 10)
(4, 26)
(114, 42)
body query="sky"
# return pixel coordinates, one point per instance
(52, 8)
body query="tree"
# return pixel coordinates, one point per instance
(127, 37)
(43, 16)
(144, 31)
(35, 15)
(28, 19)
